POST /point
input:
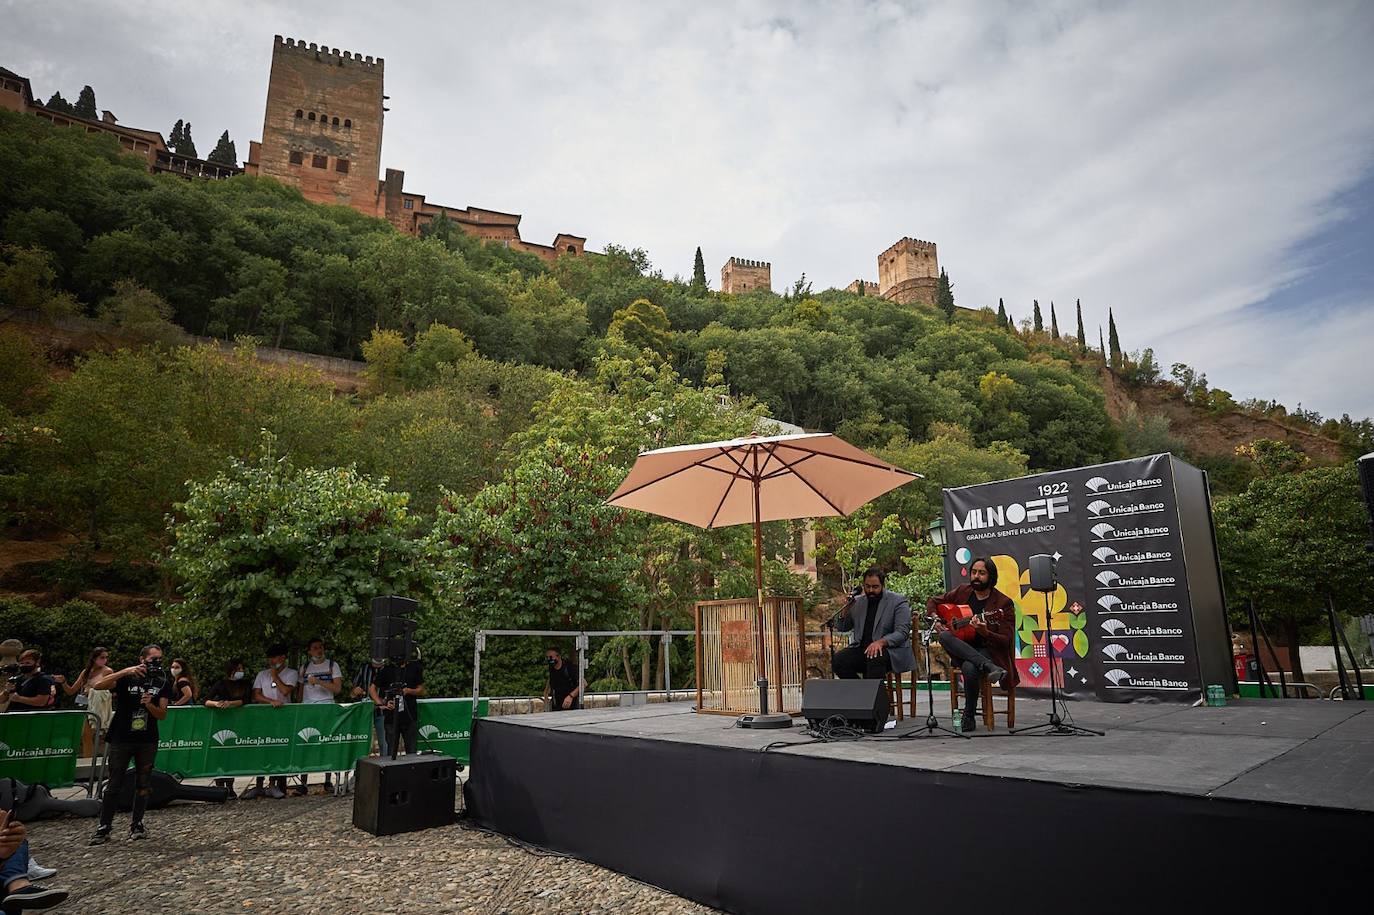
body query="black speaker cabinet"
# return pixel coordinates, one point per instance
(1042, 574)
(862, 703)
(404, 794)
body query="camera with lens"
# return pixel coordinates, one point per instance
(10, 672)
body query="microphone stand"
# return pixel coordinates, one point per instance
(933, 727)
(830, 624)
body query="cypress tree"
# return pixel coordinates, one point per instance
(58, 103)
(699, 271)
(1037, 322)
(224, 152)
(1082, 341)
(1101, 347)
(174, 138)
(1114, 339)
(85, 104)
(187, 146)
(944, 295)
(1001, 314)
(1054, 323)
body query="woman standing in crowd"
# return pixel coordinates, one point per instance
(184, 688)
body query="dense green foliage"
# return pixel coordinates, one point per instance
(504, 397)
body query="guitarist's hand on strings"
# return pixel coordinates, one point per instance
(979, 626)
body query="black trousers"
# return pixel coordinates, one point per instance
(407, 733)
(142, 754)
(972, 664)
(850, 664)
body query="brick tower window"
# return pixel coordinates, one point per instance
(319, 161)
(348, 123)
(299, 113)
(312, 115)
(341, 165)
(334, 123)
(572, 249)
(297, 157)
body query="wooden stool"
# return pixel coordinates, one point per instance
(892, 682)
(990, 712)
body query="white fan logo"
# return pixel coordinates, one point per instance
(1115, 651)
(428, 732)
(1097, 506)
(1118, 676)
(1104, 554)
(308, 734)
(223, 737)
(1108, 602)
(1100, 531)
(1106, 578)
(1113, 626)
(4, 748)
(1095, 483)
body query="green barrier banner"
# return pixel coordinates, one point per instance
(446, 726)
(198, 742)
(41, 746)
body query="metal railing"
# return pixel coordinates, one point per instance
(582, 642)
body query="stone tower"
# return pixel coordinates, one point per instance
(322, 131)
(740, 275)
(908, 272)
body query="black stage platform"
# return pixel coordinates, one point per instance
(1175, 808)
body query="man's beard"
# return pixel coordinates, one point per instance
(980, 585)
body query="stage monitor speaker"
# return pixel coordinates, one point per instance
(1042, 577)
(861, 703)
(404, 794)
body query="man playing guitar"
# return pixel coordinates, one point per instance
(994, 621)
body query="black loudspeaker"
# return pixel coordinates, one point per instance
(861, 703)
(1042, 577)
(404, 794)
(393, 621)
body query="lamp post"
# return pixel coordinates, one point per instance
(940, 538)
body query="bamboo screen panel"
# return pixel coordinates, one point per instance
(726, 671)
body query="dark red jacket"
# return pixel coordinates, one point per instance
(997, 644)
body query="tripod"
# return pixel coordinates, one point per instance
(932, 724)
(1059, 725)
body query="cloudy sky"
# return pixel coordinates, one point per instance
(1204, 169)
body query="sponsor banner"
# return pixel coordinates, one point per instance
(1120, 619)
(199, 742)
(446, 726)
(41, 746)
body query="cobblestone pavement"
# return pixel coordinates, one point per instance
(302, 855)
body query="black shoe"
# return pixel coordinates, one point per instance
(102, 835)
(995, 674)
(33, 897)
(969, 724)
(138, 831)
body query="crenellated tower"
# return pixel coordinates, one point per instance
(741, 275)
(909, 271)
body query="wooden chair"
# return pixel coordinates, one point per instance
(990, 711)
(892, 682)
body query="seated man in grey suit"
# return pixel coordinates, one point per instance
(880, 623)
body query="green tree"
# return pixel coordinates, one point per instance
(944, 295)
(143, 315)
(435, 346)
(224, 152)
(1115, 340)
(57, 103)
(1287, 541)
(269, 551)
(1037, 322)
(1082, 340)
(642, 325)
(186, 146)
(1054, 323)
(1001, 314)
(699, 271)
(846, 546)
(85, 104)
(175, 138)
(27, 278)
(1101, 347)
(386, 353)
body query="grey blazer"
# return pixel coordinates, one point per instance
(893, 623)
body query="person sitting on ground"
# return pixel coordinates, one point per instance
(20, 894)
(36, 691)
(275, 685)
(184, 688)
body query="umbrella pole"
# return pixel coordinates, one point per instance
(763, 719)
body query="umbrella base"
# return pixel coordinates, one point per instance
(775, 720)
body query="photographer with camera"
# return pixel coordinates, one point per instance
(140, 702)
(563, 681)
(394, 690)
(29, 689)
(321, 681)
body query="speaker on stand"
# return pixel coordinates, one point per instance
(1044, 580)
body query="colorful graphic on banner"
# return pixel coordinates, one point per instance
(1117, 626)
(41, 746)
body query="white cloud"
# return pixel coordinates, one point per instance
(1160, 158)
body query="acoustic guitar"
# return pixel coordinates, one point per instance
(960, 617)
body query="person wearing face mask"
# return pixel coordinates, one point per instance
(275, 686)
(231, 692)
(140, 702)
(184, 688)
(562, 683)
(321, 681)
(362, 689)
(36, 691)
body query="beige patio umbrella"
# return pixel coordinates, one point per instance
(753, 480)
